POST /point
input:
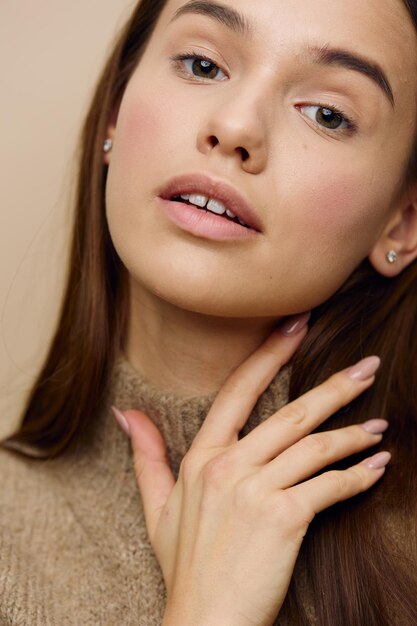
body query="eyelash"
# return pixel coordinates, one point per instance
(350, 128)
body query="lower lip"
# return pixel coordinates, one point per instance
(204, 223)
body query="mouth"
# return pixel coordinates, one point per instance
(209, 205)
(212, 195)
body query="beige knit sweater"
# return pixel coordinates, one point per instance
(74, 549)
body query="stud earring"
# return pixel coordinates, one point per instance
(392, 256)
(107, 145)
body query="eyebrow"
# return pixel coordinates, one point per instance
(227, 16)
(324, 55)
(321, 55)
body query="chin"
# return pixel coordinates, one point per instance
(192, 297)
(208, 301)
(195, 286)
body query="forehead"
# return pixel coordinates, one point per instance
(379, 29)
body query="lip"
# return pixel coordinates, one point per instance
(213, 188)
(205, 224)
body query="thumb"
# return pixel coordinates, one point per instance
(152, 469)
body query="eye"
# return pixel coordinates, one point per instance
(329, 117)
(198, 65)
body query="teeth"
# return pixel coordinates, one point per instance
(198, 200)
(216, 207)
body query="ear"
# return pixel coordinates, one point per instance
(111, 131)
(400, 235)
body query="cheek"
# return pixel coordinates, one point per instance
(140, 150)
(336, 206)
(141, 130)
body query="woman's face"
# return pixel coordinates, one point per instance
(263, 117)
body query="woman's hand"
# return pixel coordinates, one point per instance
(228, 532)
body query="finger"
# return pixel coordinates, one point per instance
(316, 451)
(300, 417)
(236, 399)
(325, 490)
(153, 473)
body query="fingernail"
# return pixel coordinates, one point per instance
(378, 460)
(121, 419)
(375, 426)
(364, 369)
(295, 324)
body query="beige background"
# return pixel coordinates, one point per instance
(51, 53)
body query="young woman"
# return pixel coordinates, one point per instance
(243, 262)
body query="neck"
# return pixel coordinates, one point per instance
(188, 353)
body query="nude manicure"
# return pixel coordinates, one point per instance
(378, 460)
(375, 426)
(123, 423)
(365, 368)
(295, 324)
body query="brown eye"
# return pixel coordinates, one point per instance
(198, 66)
(327, 116)
(330, 118)
(207, 69)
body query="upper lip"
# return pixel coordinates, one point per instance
(214, 188)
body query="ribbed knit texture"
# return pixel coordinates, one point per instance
(74, 548)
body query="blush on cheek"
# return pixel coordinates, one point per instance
(141, 127)
(138, 129)
(340, 207)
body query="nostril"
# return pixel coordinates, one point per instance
(245, 154)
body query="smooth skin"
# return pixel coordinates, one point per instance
(227, 533)
(328, 199)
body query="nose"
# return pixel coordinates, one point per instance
(235, 128)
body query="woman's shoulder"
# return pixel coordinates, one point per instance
(24, 484)
(24, 495)
(29, 494)
(40, 544)
(16, 472)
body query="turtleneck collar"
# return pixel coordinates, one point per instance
(103, 464)
(179, 418)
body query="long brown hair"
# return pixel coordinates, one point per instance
(355, 567)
